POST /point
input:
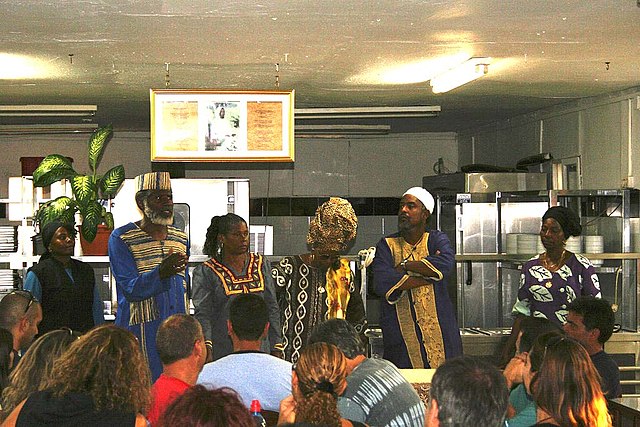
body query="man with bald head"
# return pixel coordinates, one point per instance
(411, 270)
(20, 314)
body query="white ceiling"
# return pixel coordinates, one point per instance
(544, 52)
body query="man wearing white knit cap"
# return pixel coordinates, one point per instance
(411, 270)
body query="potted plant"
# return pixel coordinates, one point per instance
(90, 191)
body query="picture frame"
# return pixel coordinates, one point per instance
(208, 125)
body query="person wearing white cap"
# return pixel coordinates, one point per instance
(148, 259)
(411, 270)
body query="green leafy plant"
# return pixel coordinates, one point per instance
(89, 191)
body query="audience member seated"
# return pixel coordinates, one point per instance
(564, 384)
(250, 372)
(590, 321)
(6, 357)
(20, 314)
(180, 345)
(201, 407)
(318, 378)
(34, 369)
(101, 380)
(377, 394)
(522, 408)
(466, 391)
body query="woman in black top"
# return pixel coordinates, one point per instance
(64, 286)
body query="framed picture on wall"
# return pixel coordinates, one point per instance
(202, 125)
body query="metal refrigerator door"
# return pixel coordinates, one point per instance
(478, 290)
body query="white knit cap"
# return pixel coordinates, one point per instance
(423, 195)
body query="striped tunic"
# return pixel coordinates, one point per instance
(145, 300)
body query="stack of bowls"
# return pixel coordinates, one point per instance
(594, 245)
(527, 243)
(574, 244)
(512, 243)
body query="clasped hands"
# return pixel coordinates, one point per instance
(174, 263)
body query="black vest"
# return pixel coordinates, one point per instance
(65, 303)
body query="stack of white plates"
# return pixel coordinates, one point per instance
(527, 243)
(574, 244)
(512, 243)
(8, 238)
(594, 245)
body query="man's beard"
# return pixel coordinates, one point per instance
(156, 217)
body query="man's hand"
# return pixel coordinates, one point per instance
(173, 264)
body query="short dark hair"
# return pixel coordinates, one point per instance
(340, 333)
(532, 328)
(248, 315)
(176, 336)
(207, 408)
(596, 314)
(13, 306)
(469, 392)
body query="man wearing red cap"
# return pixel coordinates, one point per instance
(411, 270)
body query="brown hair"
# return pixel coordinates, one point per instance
(34, 368)
(199, 406)
(565, 383)
(107, 364)
(321, 371)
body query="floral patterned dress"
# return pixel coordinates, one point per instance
(546, 294)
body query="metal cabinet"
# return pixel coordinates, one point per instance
(488, 276)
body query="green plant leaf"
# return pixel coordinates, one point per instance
(111, 181)
(97, 142)
(63, 208)
(108, 220)
(84, 189)
(52, 169)
(91, 217)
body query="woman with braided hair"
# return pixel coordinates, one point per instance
(318, 378)
(231, 271)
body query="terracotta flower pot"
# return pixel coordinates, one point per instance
(99, 246)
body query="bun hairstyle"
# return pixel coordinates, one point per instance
(321, 371)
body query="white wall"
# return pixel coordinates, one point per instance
(382, 166)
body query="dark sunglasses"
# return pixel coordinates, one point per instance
(26, 294)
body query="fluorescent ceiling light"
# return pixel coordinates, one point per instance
(48, 110)
(37, 129)
(459, 75)
(366, 112)
(340, 130)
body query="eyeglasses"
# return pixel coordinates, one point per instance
(26, 294)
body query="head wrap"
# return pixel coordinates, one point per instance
(153, 181)
(334, 226)
(423, 195)
(568, 220)
(50, 230)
